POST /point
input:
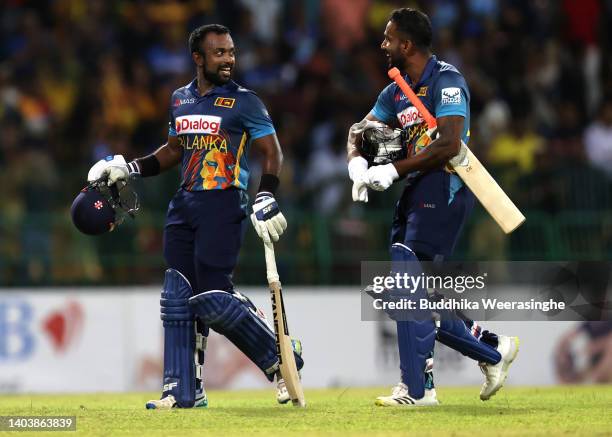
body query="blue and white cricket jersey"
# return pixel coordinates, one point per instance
(443, 91)
(215, 131)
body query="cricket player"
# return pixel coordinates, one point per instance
(433, 207)
(213, 124)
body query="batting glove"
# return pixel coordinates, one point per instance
(113, 168)
(267, 219)
(357, 168)
(380, 177)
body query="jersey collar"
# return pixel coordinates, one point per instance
(230, 86)
(433, 60)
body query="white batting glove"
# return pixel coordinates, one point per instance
(113, 168)
(267, 219)
(357, 168)
(380, 177)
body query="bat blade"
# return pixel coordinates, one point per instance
(489, 193)
(471, 171)
(284, 348)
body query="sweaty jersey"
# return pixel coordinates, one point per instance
(215, 131)
(443, 91)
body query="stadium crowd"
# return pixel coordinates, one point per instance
(80, 80)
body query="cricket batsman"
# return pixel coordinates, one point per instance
(433, 207)
(213, 124)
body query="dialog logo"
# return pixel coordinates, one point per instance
(198, 124)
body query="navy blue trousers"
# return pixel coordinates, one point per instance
(430, 215)
(203, 234)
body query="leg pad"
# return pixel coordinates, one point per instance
(455, 334)
(179, 339)
(234, 316)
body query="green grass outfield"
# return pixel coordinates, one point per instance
(514, 411)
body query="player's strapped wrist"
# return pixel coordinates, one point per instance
(144, 167)
(269, 183)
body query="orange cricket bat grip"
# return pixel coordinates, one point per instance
(396, 76)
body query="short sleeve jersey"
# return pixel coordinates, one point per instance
(443, 91)
(215, 131)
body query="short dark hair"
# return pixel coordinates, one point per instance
(415, 25)
(197, 36)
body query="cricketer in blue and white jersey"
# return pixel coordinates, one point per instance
(215, 131)
(433, 206)
(213, 122)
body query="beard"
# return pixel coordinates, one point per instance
(215, 77)
(397, 61)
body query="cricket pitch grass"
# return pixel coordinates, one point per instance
(513, 411)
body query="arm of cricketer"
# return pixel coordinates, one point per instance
(115, 168)
(438, 153)
(267, 219)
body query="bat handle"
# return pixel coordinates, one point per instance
(393, 73)
(396, 76)
(271, 271)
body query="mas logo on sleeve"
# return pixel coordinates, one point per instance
(451, 96)
(225, 102)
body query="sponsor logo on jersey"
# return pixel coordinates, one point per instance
(422, 92)
(198, 124)
(451, 96)
(409, 117)
(179, 102)
(225, 102)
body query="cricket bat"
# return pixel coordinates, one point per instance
(284, 350)
(471, 171)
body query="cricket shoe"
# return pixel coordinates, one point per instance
(165, 403)
(496, 374)
(282, 395)
(168, 402)
(400, 398)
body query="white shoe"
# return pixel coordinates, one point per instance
(496, 374)
(400, 398)
(169, 402)
(282, 395)
(166, 403)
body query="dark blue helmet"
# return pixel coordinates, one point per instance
(98, 209)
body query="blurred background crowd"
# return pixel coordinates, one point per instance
(80, 80)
